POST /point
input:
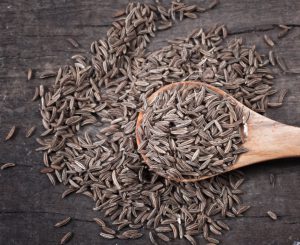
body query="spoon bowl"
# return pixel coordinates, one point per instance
(264, 138)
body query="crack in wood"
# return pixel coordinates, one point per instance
(260, 29)
(44, 212)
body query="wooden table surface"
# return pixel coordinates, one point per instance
(33, 34)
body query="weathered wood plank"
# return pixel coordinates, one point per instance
(33, 34)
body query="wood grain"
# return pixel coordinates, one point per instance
(33, 34)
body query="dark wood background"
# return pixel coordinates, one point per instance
(33, 34)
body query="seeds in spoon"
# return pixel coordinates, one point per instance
(152, 240)
(163, 237)
(212, 154)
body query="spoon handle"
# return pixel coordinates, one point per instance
(268, 139)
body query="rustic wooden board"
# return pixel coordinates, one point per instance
(33, 34)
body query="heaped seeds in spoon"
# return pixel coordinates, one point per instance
(212, 154)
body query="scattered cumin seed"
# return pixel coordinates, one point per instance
(283, 33)
(100, 222)
(268, 40)
(10, 134)
(7, 165)
(30, 131)
(63, 222)
(272, 215)
(46, 170)
(272, 180)
(36, 94)
(66, 238)
(29, 74)
(73, 42)
(47, 74)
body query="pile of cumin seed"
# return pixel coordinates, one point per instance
(90, 112)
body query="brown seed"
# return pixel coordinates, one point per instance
(30, 131)
(283, 33)
(108, 230)
(281, 63)
(174, 230)
(131, 234)
(272, 215)
(152, 240)
(47, 74)
(272, 180)
(63, 222)
(29, 74)
(36, 94)
(7, 165)
(163, 237)
(242, 209)
(46, 170)
(284, 27)
(271, 58)
(268, 41)
(66, 238)
(67, 192)
(51, 178)
(190, 239)
(10, 134)
(106, 235)
(100, 222)
(73, 42)
(115, 180)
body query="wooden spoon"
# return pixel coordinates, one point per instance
(265, 139)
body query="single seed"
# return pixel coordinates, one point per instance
(99, 221)
(268, 41)
(7, 165)
(29, 74)
(272, 215)
(106, 235)
(10, 134)
(66, 238)
(30, 131)
(63, 222)
(73, 42)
